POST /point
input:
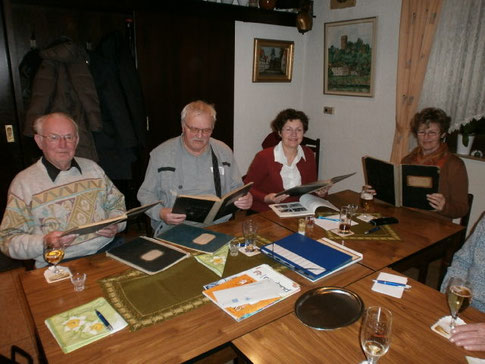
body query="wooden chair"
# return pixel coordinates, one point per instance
(314, 145)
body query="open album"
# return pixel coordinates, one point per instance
(313, 186)
(246, 293)
(311, 258)
(307, 205)
(207, 208)
(98, 225)
(401, 184)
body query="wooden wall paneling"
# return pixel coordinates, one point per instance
(181, 58)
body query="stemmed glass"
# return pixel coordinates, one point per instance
(249, 229)
(375, 333)
(53, 255)
(459, 295)
(352, 208)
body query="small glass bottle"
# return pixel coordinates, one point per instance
(301, 226)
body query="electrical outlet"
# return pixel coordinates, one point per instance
(328, 110)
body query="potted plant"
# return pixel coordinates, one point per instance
(471, 128)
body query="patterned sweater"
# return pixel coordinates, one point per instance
(36, 206)
(468, 262)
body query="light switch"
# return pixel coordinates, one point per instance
(9, 134)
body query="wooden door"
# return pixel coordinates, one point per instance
(181, 58)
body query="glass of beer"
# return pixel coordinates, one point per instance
(345, 220)
(53, 255)
(375, 333)
(366, 199)
(459, 295)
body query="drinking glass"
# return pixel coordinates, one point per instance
(366, 199)
(352, 209)
(345, 221)
(375, 333)
(459, 295)
(53, 255)
(249, 230)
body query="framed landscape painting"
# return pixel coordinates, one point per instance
(272, 60)
(350, 57)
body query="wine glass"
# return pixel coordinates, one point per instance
(352, 208)
(53, 255)
(459, 295)
(249, 229)
(375, 333)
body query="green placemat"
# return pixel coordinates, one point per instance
(144, 300)
(386, 232)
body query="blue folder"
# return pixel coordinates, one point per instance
(320, 254)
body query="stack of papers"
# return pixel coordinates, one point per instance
(390, 290)
(246, 293)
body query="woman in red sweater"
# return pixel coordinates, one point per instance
(283, 166)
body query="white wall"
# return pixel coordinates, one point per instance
(256, 104)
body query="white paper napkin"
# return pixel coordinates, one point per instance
(393, 291)
(329, 225)
(442, 326)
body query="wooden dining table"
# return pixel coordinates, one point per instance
(288, 340)
(418, 231)
(175, 340)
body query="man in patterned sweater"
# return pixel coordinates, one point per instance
(57, 193)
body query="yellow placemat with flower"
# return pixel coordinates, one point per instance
(81, 326)
(216, 261)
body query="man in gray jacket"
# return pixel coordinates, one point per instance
(191, 164)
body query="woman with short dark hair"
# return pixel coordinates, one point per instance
(286, 165)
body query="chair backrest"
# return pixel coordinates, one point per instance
(314, 145)
(464, 220)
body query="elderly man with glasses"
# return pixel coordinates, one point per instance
(190, 164)
(57, 193)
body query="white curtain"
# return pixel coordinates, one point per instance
(455, 76)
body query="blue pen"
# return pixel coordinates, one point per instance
(389, 283)
(328, 218)
(374, 229)
(103, 320)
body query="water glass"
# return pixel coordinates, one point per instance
(234, 247)
(78, 280)
(249, 230)
(345, 220)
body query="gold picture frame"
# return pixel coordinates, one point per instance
(350, 52)
(272, 60)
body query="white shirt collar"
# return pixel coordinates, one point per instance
(279, 155)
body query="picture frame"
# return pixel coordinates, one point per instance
(349, 57)
(272, 60)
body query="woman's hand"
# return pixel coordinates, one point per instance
(170, 218)
(108, 231)
(471, 336)
(271, 198)
(55, 239)
(437, 201)
(322, 192)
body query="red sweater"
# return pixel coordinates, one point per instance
(265, 173)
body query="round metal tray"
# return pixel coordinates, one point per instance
(328, 308)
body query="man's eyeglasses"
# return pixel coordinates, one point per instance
(430, 133)
(194, 130)
(56, 138)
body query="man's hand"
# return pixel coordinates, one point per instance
(245, 202)
(271, 198)
(55, 239)
(471, 336)
(170, 218)
(437, 201)
(108, 231)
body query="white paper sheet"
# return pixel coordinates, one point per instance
(248, 293)
(390, 290)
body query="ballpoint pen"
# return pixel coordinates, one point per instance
(103, 320)
(395, 284)
(327, 218)
(373, 230)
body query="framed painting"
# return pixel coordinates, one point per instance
(272, 60)
(350, 57)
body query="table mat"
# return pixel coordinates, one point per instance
(386, 232)
(144, 300)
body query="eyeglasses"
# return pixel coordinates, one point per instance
(195, 130)
(291, 130)
(56, 138)
(430, 133)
